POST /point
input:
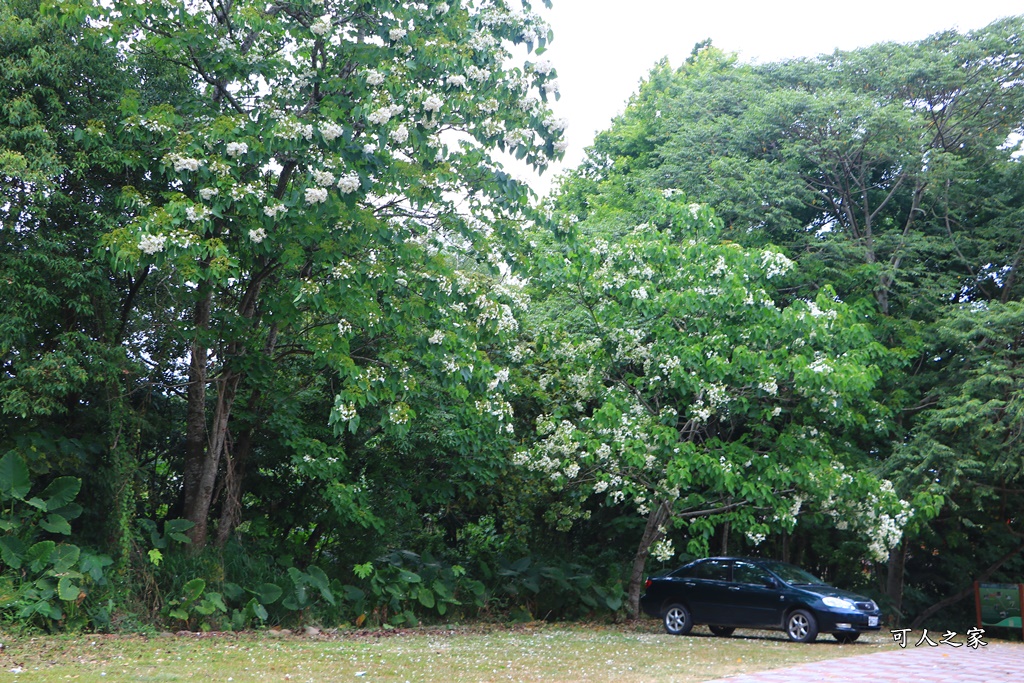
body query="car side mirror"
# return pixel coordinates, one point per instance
(771, 582)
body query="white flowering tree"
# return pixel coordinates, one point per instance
(327, 167)
(678, 388)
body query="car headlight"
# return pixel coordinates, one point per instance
(832, 601)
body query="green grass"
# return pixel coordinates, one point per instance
(550, 653)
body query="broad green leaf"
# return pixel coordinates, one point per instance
(11, 551)
(60, 492)
(67, 590)
(14, 480)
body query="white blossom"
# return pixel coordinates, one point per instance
(348, 183)
(331, 131)
(437, 337)
(323, 178)
(432, 103)
(237, 149)
(396, 34)
(257, 235)
(457, 81)
(208, 193)
(400, 134)
(543, 67)
(315, 195)
(151, 244)
(374, 77)
(273, 210)
(321, 26)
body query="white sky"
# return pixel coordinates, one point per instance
(604, 48)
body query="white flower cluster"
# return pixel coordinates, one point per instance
(397, 34)
(500, 377)
(183, 163)
(237, 149)
(196, 212)
(208, 193)
(151, 244)
(384, 114)
(437, 337)
(457, 81)
(315, 195)
(662, 550)
(344, 327)
(478, 74)
(543, 67)
(331, 131)
(322, 26)
(348, 183)
(373, 77)
(346, 411)
(400, 134)
(273, 210)
(775, 264)
(322, 178)
(292, 129)
(257, 235)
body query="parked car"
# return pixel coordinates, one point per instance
(727, 593)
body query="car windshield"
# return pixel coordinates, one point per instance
(792, 574)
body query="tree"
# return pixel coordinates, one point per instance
(680, 387)
(325, 165)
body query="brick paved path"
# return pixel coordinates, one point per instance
(994, 663)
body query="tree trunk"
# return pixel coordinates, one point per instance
(894, 578)
(652, 532)
(195, 420)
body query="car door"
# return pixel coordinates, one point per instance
(752, 599)
(707, 588)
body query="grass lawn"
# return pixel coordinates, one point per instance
(550, 653)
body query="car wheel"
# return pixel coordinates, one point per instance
(722, 631)
(845, 638)
(678, 621)
(801, 626)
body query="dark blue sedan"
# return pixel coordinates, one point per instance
(727, 593)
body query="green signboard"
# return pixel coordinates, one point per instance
(999, 604)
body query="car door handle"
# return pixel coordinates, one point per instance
(689, 583)
(734, 588)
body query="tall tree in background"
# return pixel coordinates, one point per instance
(888, 172)
(327, 161)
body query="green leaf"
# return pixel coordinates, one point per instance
(65, 556)
(60, 492)
(268, 593)
(67, 590)
(56, 524)
(426, 597)
(14, 481)
(257, 610)
(38, 556)
(155, 556)
(193, 589)
(11, 551)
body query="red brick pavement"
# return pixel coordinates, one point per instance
(994, 663)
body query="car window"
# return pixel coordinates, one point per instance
(743, 572)
(716, 570)
(793, 575)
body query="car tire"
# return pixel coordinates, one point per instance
(845, 638)
(722, 631)
(801, 626)
(677, 620)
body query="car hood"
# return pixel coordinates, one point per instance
(825, 591)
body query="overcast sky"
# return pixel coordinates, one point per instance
(603, 48)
